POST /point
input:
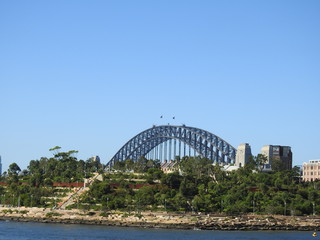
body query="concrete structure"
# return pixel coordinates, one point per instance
(311, 170)
(277, 152)
(96, 159)
(243, 154)
(230, 168)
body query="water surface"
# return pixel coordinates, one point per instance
(46, 231)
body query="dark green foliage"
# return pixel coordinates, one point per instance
(196, 186)
(53, 214)
(14, 169)
(203, 187)
(33, 187)
(63, 167)
(145, 196)
(141, 166)
(99, 189)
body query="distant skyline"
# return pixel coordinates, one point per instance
(90, 75)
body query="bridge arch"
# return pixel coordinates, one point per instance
(204, 143)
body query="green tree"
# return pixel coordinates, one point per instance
(260, 161)
(172, 180)
(145, 196)
(277, 165)
(14, 169)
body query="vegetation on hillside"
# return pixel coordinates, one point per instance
(198, 186)
(33, 186)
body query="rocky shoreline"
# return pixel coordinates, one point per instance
(163, 220)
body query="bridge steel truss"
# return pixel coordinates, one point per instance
(203, 142)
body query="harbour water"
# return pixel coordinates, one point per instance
(45, 231)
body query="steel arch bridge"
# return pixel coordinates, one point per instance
(160, 142)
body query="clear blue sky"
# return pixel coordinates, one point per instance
(90, 75)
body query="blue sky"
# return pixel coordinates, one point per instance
(90, 75)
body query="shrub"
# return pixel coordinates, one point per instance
(51, 214)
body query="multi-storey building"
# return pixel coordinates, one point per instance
(311, 170)
(277, 152)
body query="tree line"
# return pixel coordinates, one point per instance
(196, 186)
(200, 186)
(33, 186)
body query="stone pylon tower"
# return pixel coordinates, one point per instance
(243, 154)
(0, 167)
